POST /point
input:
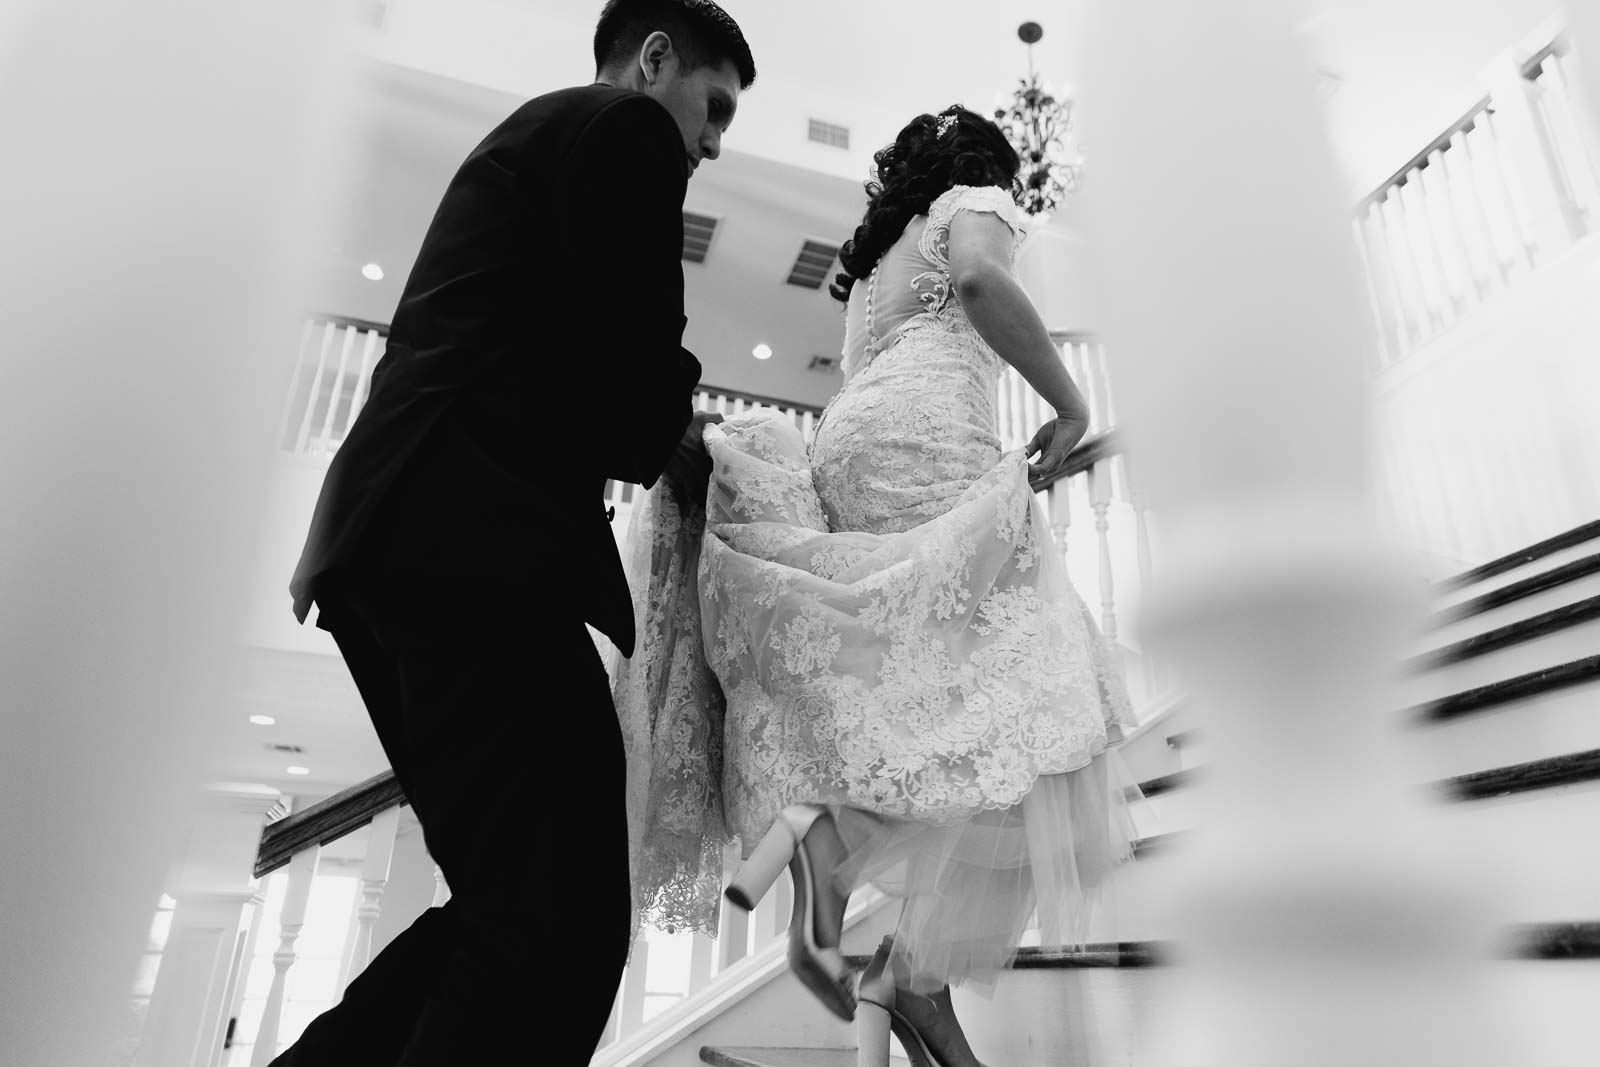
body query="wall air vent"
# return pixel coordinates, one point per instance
(294, 750)
(828, 133)
(698, 230)
(823, 364)
(812, 266)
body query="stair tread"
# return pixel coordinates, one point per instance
(1520, 590)
(778, 1057)
(1578, 535)
(1515, 633)
(1569, 768)
(1519, 687)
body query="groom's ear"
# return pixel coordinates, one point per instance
(653, 56)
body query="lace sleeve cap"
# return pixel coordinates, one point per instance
(987, 198)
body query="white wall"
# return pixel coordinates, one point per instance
(1490, 434)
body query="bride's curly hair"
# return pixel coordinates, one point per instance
(916, 170)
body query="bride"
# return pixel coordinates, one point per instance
(864, 657)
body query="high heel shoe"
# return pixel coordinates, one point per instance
(804, 840)
(925, 1026)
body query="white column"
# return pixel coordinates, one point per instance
(374, 879)
(204, 959)
(302, 873)
(1325, 916)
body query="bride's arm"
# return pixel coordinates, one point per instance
(981, 248)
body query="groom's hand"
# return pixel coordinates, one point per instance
(688, 472)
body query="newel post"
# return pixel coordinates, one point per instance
(1323, 915)
(218, 903)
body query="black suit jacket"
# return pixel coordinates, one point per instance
(536, 352)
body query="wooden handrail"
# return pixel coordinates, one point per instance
(327, 821)
(1062, 337)
(1086, 455)
(1420, 160)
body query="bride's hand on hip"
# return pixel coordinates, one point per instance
(1054, 443)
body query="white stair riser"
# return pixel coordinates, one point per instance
(1527, 570)
(1516, 611)
(1550, 724)
(1099, 1016)
(1543, 844)
(1541, 653)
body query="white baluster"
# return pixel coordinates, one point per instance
(1059, 496)
(702, 400)
(702, 955)
(358, 400)
(1576, 153)
(1449, 250)
(631, 1013)
(326, 437)
(1380, 313)
(1002, 408)
(782, 894)
(1100, 500)
(294, 383)
(1418, 313)
(441, 891)
(1495, 180)
(1136, 500)
(1430, 262)
(374, 879)
(1020, 430)
(303, 438)
(808, 425)
(1381, 254)
(733, 928)
(302, 872)
(739, 405)
(1107, 397)
(1492, 272)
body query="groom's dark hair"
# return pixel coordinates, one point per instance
(701, 32)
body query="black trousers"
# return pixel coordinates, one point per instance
(498, 721)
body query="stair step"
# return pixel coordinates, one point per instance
(1568, 639)
(1515, 633)
(1520, 687)
(1522, 599)
(778, 1057)
(1568, 769)
(1512, 561)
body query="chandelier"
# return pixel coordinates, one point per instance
(1037, 122)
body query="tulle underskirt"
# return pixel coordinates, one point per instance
(971, 890)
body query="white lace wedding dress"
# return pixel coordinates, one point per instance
(883, 625)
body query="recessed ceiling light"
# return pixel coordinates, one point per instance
(299, 770)
(263, 720)
(372, 272)
(762, 352)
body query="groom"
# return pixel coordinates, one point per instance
(460, 542)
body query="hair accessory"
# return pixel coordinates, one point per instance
(945, 123)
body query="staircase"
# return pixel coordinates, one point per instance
(1500, 720)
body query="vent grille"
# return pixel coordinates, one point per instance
(823, 364)
(828, 133)
(698, 230)
(812, 266)
(293, 750)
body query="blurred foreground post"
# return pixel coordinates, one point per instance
(1325, 917)
(158, 185)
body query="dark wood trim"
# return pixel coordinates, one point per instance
(1556, 941)
(1420, 160)
(1519, 688)
(1086, 455)
(1532, 67)
(326, 821)
(1166, 783)
(1571, 769)
(1510, 594)
(1576, 536)
(1516, 633)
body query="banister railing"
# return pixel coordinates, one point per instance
(327, 821)
(1493, 196)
